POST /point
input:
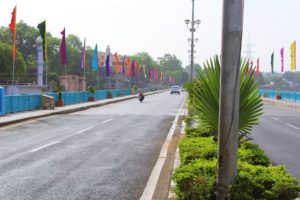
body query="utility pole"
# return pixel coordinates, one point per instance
(232, 29)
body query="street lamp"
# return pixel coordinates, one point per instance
(194, 25)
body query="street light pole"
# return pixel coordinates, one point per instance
(192, 42)
(192, 29)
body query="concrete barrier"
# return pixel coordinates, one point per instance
(287, 104)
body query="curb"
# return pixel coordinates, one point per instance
(151, 185)
(292, 105)
(71, 110)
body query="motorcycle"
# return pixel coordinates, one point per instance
(141, 97)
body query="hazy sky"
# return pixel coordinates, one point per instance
(157, 26)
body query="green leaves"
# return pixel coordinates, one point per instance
(205, 97)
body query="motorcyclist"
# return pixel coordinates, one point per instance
(141, 95)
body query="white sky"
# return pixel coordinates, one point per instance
(157, 26)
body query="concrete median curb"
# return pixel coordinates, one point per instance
(292, 105)
(14, 118)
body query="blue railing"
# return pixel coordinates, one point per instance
(285, 95)
(19, 103)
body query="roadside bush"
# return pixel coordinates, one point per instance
(196, 181)
(196, 132)
(259, 182)
(196, 148)
(252, 154)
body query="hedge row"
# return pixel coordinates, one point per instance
(257, 178)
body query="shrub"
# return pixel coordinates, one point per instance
(91, 89)
(59, 95)
(196, 181)
(196, 132)
(259, 182)
(197, 148)
(252, 154)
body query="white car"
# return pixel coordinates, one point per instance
(175, 89)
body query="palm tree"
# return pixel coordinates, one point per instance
(204, 98)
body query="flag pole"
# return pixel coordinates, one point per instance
(12, 84)
(46, 76)
(65, 69)
(98, 78)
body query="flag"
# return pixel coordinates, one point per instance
(107, 65)
(151, 73)
(293, 56)
(161, 76)
(128, 66)
(257, 67)
(95, 59)
(118, 68)
(42, 30)
(138, 68)
(83, 56)
(282, 59)
(12, 27)
(123, 65)
(63, 48)
(272, 63)
(132, 68)
(247, 68)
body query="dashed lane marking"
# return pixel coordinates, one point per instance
(44, 146)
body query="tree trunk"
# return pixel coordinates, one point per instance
(229, 95)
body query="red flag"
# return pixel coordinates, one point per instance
(257, 67)
(138, 68)
(12, 27)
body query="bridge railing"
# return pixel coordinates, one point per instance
(292, 96)
(19, 103)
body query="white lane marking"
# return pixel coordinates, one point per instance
(292, 126)
(275, 118)
(84, 130)
(106, 121)
(44, 146)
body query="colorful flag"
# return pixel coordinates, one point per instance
(63, 48)
(293, 56)
(282, 59)
(272, 63)
(83, 56)
(12, 27)
(257, 67)
(123, 65)
(118, 68)
(132, 68)
(107, 65)
(95, 59)
(128, 66)
(138, 68)
(247, 68)
(42, 30)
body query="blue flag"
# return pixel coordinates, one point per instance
(107, 65)
(95, 59)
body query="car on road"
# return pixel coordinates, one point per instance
(175, 89)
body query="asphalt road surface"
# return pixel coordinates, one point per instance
(279, 135)
(101, 153)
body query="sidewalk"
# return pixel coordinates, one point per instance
(292, 105)
(23, 116)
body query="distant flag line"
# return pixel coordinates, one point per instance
(134, 67)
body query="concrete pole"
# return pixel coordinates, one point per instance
(192, 42)
(229, 95)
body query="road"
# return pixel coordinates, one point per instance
(279, 135)
(101, 153)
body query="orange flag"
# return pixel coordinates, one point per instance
(118, 67)
(12, 27)
(138, 68)
(128, 67)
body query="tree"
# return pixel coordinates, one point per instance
(6, 63)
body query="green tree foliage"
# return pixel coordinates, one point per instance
(6, 63)
(205, 98)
